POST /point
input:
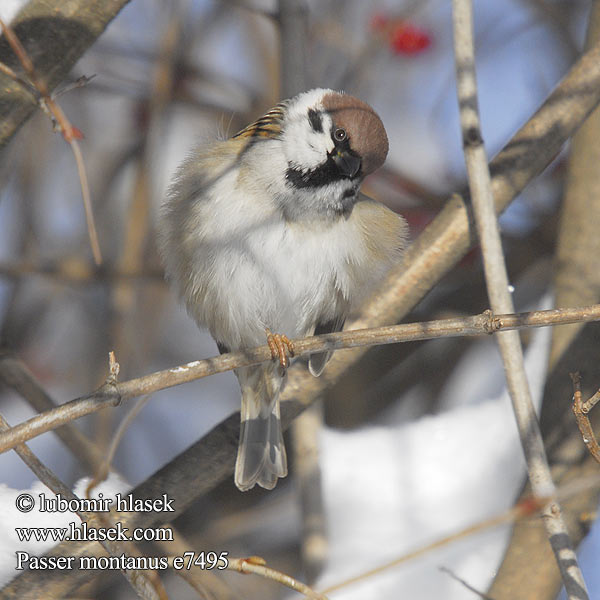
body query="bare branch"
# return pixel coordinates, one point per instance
(524, 509)
(55, 34)
(147, 584)
(60, 122)
(581, 410)
(577, 277)
(15, 374)
(293, 28)
(465, 583)
(75, 271)
(576, 282)
(112, 393)
(258, 566)
(496, 277)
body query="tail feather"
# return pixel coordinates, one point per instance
(261, 457)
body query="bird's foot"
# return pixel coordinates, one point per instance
(281, 346)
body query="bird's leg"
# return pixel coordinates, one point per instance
(280, 346)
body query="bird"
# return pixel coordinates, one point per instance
(266, 233)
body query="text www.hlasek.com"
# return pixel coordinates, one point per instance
(118, 533)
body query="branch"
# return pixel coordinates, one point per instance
(77, 271)
(60, 123)
(577, 277)
(500, 300)
(526, 508)
(55, 35)
(576, 282)
(15, 374)
(258, 566)
(112, 393)
(293, 32)
(581, 410)
(139, 580)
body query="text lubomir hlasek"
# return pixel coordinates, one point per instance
(101, 504)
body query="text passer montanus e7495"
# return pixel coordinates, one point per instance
(267, 232)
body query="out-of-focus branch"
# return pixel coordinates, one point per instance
(16, 375)
(208, 462)
(293, 28)
(526, 508)
(496, 278)
(146, 583)
(55, 34)
(307, 466)
(577, 279)
(75, 271)
(60, 122)
(113, 393)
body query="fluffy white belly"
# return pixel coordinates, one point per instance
(284, 277)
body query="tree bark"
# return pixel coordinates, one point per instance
(55, 34)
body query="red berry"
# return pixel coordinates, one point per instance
(408, 39)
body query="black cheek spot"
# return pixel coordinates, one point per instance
(315, 119)
(318, 177)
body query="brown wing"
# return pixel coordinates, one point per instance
(268, 126)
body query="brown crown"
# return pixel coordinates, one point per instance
(363, 126)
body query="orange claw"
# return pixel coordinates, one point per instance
(280, 346)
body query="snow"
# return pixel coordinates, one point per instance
(390, 490)
(11, 518)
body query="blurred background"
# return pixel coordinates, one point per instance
(418, 441)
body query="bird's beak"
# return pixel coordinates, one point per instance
(348, 164)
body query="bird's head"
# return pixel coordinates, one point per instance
(329, 142)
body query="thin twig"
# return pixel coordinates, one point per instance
(81, 81)
(525, 509)
(14, 373)
(60, 121)
(480, 185)
(104, 469)
(207, 583)
(581, 410)
(464, 583)
(258, 566)
(113, 393)
(87, 201)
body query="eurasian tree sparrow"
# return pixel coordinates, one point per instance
(267, 231)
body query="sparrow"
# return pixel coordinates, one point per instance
(267, 232)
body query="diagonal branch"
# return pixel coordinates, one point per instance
(55, 35)
(15, 374)
(112, 393)
(500, 299)
(146, 584)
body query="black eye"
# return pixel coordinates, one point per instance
(339, 135)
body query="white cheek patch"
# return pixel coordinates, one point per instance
(304, 147)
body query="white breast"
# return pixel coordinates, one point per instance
(253, 270)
